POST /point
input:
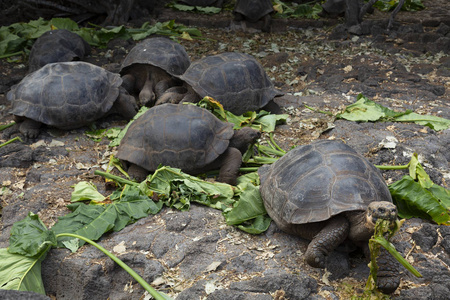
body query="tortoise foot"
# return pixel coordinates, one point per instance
(388, 278)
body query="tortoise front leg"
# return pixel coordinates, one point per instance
(147, 96)
(231, 161)
(388, 278)
(30, 128)
(163, 85)
(328, 239)
(128, 81)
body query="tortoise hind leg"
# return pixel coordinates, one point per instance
(328, 239)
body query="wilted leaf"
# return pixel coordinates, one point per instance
(30, 237)
(86, 191)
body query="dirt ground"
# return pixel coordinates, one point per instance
(316, 63)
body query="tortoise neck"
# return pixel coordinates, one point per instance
(359, 228)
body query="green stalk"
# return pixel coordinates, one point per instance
(3, 127)
(318, 110)
(155, 294)
(389, 247)
(115, 178)
(249, 169)
(268, 150)
(392, 167)
(275, 144)
(10, 141)
(11, 54)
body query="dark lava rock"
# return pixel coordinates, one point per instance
(295, 286)
(21, 295)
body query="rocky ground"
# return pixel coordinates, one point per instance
(194, 254)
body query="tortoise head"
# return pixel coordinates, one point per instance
(380, 210)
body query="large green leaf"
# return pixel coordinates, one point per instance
(413, 200)
(249, 206)
(433, 122)
(30, 237)
(90, 221)
(132, 206)
(366, 110)
(21, 273)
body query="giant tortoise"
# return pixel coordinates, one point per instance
(68, 95)
(57, 45)
(326, 192)
(187, 137)
(253, 11)
(149, 66)
(236, 80)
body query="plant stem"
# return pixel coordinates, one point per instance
(115, 178)
(275, 144)
(392, 167)
(10, 141)
(2, 127)
(155, 294)
(318, 110)
(249, 169)
(10, 54)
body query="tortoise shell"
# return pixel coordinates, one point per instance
(178, 135)
(58, 45)
(65, 95)
(160, 52)
(253, 10)
(314, 182)
(203, 2)
(236, 80)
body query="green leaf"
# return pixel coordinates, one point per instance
(417, 172)
(133, 205)
(257, 226)
(64, 23)
(21, 273)
(86, 191)
(365, 110)
(90, 221)
(262, 121)
(249, 206)
(183, 7)
(412, 200)
(208, 9)
(433, 122)
(30, 237)
(268, 122)
(180, 188)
